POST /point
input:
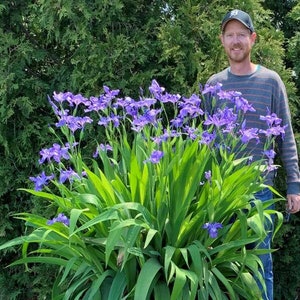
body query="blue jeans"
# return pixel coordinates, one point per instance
(266, 259)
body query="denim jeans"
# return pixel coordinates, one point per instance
(266, 259)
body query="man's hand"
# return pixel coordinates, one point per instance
(293, 203)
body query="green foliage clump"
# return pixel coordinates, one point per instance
(167, 212)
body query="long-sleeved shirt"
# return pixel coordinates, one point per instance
(265, 90)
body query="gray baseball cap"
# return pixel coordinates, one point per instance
(240, 16)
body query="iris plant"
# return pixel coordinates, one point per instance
(189, 121)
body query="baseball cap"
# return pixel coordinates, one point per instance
(240, 16)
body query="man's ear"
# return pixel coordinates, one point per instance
(221, 38)
(253, 38)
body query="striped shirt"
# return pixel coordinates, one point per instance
(265, 90)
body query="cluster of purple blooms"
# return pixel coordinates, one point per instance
(145, 112)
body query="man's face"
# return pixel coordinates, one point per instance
(237, 41)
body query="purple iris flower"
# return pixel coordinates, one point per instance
(208, 176)
(192, 132)
(61, 218)
(270, 153)
(46, 155)
(212, 89)
(156, 89)
(131, 106)
(59, 152)
(54, 106)
(62, 115)
(73, 122)
(139, 122)
(165, 136)
(149, 117)
(236, 98)
(102, 102)
(243, 104)
(104, 121)
(68, 175)
(194, 99)
(190, 110)
(70, 98)
(212, 229)
(97, 104)
(221, 118)
(61, 97)
(270, 163)
(124, 102)
(78, 123)
(273, 123)
(228, 95)
(110, 93)
(131, 111)
(155, 157)
(79, 99)
(172, 98)
(207, 138)
(177, 122)
(41, 180)
(274, 131)
(271, 167)
(271, 119)
(102, 147)
(115, 119)
(230, 119)
(147, 102)
(248, 134)
(56, 152)
(190, 107)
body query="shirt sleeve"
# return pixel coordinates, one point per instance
(286, 144)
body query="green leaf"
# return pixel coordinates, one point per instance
(224, 281)
(196, 260)
(146, 279)
(14, 242)
(40, 259)
(169, 252)
(79, 284)
(103, 186)
(161, 291)
(45, 195)
(113, 240)
(70, 266)
(74, 215)
(108, 215)
(97, 285)
(118, 286)
(150, 235)
(180, 280)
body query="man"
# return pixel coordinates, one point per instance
(264, 89)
